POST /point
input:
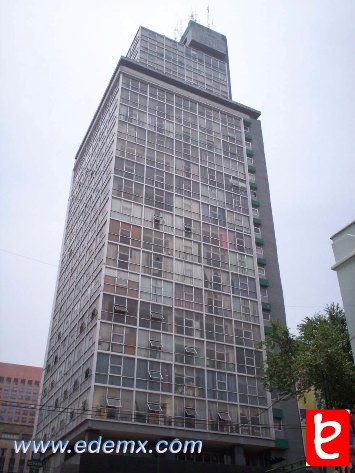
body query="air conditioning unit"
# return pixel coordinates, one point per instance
(119, 309)
(156, 344)
(156, 316)
(156, 375)
(190, 412)
(224, 416)
(187, 228)
(234, 182)
(154, 407)
(191, 350)
(113, 402)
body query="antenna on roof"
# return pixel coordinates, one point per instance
(193, 16)
(176, 32)
(209, 18)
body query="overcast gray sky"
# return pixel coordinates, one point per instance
(293, 60)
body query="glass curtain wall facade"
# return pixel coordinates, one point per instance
(158, 312)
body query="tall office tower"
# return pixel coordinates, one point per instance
(168, 264)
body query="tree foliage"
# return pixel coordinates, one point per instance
(318, 358)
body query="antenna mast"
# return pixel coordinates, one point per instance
(193, 16)
(209, 18)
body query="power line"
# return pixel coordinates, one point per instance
(137, 415)
(55, 265)
(28, 257)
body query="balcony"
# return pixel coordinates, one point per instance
(251, 167)
(257, 221)
(261, 261)
(248, 136)
(259, 241)
(267, 329)
(255, 203)
(264, 282)
(281, 444)
(253, 185)
(277, 413)
(250, 152)
(266, 306)
(247, 121)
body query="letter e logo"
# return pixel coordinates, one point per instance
(328, 437)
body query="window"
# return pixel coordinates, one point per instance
(216, 257)
(221, 386)
(278, 424)
(120, 232)
(266, 315)
(155, 316)
(216, 279)
(189, 381)
(245, 309)
(264, 294)
(188, 297)
(157, 264)
(115, 370)
(10, 436)
(154, 376)
(189, 351)
(218, 304)
(187, 249)
(156, 345)
(240, 242)
(241, 263)
(188, 323)
(251, 391)
(119, 309)
(123, 257)
(188, 273)
(243, 285)
(157, 242)
(156, 290)
(121, 282)
(219, 329)
(128, 190)
(220, 357)
(249, 361)
(214, 215)
(126, 211)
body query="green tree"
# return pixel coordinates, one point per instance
(318, 358)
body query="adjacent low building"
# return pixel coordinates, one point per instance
(343, 243)
(19, 390)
